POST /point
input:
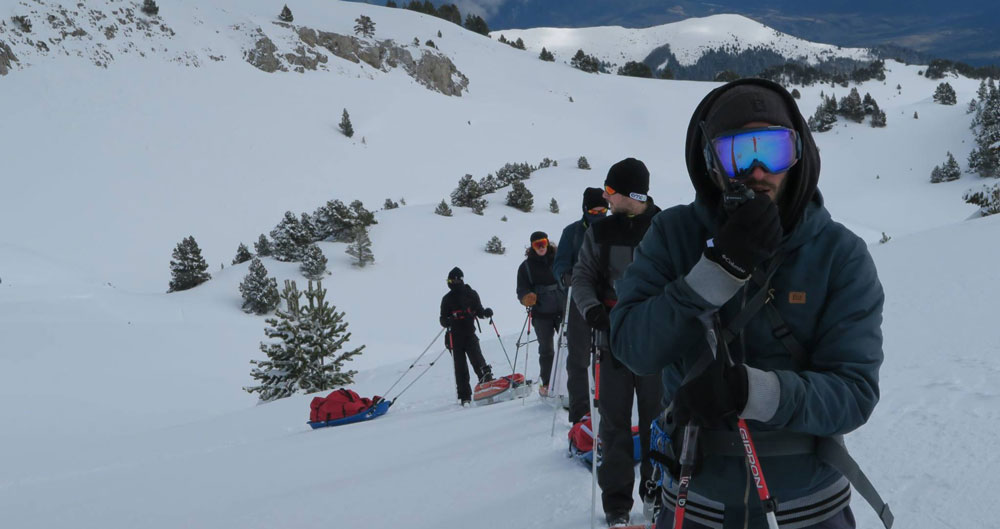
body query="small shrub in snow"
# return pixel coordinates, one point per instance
(495, 246)
(443, 209)
(947, 172)
(286, 14)
(150, 8)
(885, 238)
(520, 197)
(390, 204)
(503, 218)
(260, 293)
(582, 163)
(188, 267)
(242, 254)
(345, 124)
(915, 115)
(554, 206)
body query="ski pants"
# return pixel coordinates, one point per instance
(577, 363)
(842, 520)
(467, 346)
(544, 326)
(616, 474)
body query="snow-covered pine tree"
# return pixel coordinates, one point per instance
(824, 118)
(364, 26)
(361, 248)
(869, 104)
(150, 8)
(519, 44)
(443, 209)
(260, 293)
(289, 238)
(878, 119)
(303, 353)
(313, 262)
(986, 197)
(188, 267)
(945, 94)
(936, 175)
(520, 197)
(495, 246)
(345, 124)
(361, 216)
(950, 170)
(262, 246)
(242, 254)
(286, 14)
(513, 172)
(466, 193)
(582, 163)
(390, 204)
(546, 162)
(985, 157)
(479, 206)
(332, 220)
(587, 63)
(851, 106)
(636, 69)
(308, 226)
(489, 184)
(546, 55)
(553, 206)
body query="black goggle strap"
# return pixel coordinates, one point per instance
(712, 160)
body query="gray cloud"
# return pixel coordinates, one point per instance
(483, 8)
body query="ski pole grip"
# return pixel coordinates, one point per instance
(690, 445)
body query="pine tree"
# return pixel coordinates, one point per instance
(512, 172)
(466, 193)
(945, 94)
(479, 206)
(345, 124)
(519, 44)
(554, 206)
(869, 105)
(150, 8)
(503, 218)
(851, 106)
(495, 246)
(915, 115)
(361, 248)
(666, 74)
(289, 238)
(262, 246)
(636, 69)
(304, 351)
(286, 14)
(477, 24)
(825, 115)
(313, 262)
(489, 184)
(582, 163)
(546, 55)
(443, 209)
(364, 26)
(308, 227)
(520, 198)
(878, 119)
(188, 267)
(987, 198)
(390, 204)
(360, 216)
(260, 293)
(242, 254)
(950, 170)
(587, 63)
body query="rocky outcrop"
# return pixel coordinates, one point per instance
(262, 56)
(6, 58)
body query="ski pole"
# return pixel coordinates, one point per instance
(595, 422)
(436, 336)
(527, 350)
(426, 369)
(563, 326)
(687, 460)
(499, 339)
(518, 345)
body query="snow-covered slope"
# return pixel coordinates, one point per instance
(688, 39)
(123, 406)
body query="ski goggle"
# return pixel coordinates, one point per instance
(455, 281)
(736, 152)
(598, 210)
(634, 196)
(540, 244)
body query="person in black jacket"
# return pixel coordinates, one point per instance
(606, 252)
(538, 290)
(459, 308)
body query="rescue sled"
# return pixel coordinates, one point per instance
(502, 389)
(345, 407)
(581, 443)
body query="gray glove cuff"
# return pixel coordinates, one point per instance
(763, 395)
(712, 282)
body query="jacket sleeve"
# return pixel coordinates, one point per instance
(587, 274)
(839, 390)
(523, 285)
(477, 304)
(655, 322)
(443, 319)
(563, 263)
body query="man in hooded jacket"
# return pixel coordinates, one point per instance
(804, 368)
(595, 208)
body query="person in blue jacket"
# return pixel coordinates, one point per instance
(803, 370)
(595, 208)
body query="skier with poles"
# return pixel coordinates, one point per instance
(577, 333)
(538, 290)
(605, 254)
(763, 318)
(459, 308)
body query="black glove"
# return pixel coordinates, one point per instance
(446, 320)
(488, 312)
(716, 395)
(750, 235)
(598, 318)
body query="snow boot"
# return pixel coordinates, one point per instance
(617, 519)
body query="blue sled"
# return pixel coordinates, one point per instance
(377, 410)
(587, 458)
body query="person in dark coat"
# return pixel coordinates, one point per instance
(459, 309)
(538, 290)
(605, 254)
(577, 331)
(804, 368)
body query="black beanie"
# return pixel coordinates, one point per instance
(593, 197)
(745, 104)
(629, 177)
(538, 235)
(456, 273)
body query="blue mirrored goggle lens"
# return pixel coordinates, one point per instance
(774, 150)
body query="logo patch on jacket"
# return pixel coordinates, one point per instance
(797, 298)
